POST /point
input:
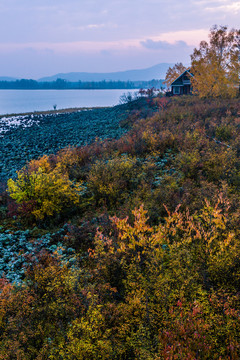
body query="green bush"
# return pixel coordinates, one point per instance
(111, 181)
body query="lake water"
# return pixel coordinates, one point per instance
(21, 101)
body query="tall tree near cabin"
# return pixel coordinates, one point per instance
(216, 65)
(173, 73)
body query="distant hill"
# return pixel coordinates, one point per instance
(7, 78)
(154, 72)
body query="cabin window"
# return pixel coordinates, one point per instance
(176, 90)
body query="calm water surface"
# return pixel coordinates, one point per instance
(21, 101)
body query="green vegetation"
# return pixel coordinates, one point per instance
(130, 245)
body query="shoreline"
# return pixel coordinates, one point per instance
(59, 111)
(54, 130)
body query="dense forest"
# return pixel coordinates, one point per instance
(128, 248)
(61, 84)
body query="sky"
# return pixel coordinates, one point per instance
(44, 37)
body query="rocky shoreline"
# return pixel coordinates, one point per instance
(29, 136)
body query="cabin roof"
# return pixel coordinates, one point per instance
(178, 81)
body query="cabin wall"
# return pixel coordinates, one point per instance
(181, 90)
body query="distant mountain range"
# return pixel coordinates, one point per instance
(154, 72)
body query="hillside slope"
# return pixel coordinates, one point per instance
(128, 248)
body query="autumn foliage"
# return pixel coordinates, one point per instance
(163, 292)
(173, 73)
(153, 218)
(43, 190)
(216, 65)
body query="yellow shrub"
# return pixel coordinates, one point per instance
(48, 192)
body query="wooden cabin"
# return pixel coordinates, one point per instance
(182, 85)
